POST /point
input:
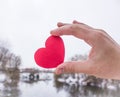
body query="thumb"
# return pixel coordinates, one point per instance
(73, 67)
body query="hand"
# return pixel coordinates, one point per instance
(104, 58)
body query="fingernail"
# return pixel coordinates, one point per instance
(60, 71)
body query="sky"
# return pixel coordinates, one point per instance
(26, 24)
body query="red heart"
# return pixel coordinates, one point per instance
(52, 55)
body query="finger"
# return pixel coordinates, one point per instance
(76, 22)
(80, 31)
(76, 30)
(72, 29)
(73, 67)
(59, 24)
(63, 30)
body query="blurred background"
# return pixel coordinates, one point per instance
(26, 24)
(24, 27)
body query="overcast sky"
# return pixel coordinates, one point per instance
(26, 24)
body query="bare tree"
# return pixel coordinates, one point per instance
(8, 60)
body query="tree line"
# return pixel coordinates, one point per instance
(8, 60)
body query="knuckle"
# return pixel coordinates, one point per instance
(69, 68)
(99, 34)
(73, 28)
(60, 33)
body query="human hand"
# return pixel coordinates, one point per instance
(104, 58)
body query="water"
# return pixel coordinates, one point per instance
(47, 85)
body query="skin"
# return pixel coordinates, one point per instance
(104, 58)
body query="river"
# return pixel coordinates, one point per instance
(48, 85)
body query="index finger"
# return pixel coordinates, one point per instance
(78, 30)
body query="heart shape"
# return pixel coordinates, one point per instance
(53, 53)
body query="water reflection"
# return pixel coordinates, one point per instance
(10, 84)
(15, 84)
(78, 90)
